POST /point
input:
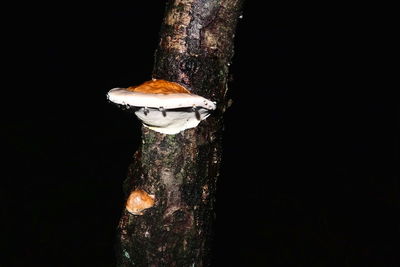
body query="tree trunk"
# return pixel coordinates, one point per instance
(195, 50)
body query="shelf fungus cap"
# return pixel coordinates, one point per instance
(163, 106)
(138, 201)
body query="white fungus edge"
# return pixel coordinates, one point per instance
(168, 101)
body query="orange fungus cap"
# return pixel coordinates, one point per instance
(159, 87)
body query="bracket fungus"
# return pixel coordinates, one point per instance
(163, 106)
(138, 201)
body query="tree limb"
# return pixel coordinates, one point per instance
(195, 50)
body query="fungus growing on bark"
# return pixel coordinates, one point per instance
(163, 106)
(138, 201)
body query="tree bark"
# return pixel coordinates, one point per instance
(195, 50)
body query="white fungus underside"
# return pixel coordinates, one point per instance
(169, 114)
(173, 122)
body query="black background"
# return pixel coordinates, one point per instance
(310, 143)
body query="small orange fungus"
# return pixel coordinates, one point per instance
(138, 201)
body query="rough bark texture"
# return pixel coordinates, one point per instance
(195, 50)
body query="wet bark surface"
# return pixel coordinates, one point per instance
(181, 171)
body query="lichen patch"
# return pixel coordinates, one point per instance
(178, 19)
